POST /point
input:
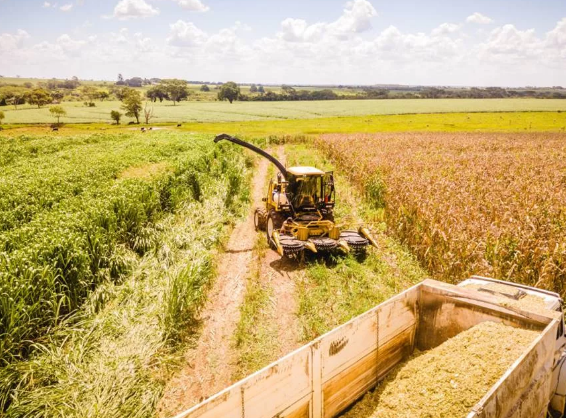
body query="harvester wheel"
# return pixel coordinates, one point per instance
(273, 223)
(355, 240)
(260, 219)
(291, 245)
(324, 243)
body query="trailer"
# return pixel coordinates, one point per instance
(328, 375)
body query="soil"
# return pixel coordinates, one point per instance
(209, 367)
(281, 274)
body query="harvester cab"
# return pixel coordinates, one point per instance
(299, 211)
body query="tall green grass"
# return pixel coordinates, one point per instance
(110, 355)
(80, 219)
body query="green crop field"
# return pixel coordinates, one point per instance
(193, 111)
(84, 218)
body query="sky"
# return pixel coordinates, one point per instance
(416, 42)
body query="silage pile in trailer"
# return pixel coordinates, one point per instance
(513, 297)
(448, 380)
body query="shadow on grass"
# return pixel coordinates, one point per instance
(302, 261)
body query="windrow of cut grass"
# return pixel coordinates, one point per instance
(491, 204)
(70, 222)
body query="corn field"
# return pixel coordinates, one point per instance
(468, 203)
(75, 210)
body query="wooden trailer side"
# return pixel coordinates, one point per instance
(524, 390)
(327, 375)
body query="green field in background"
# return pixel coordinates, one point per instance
(192, 111)
(439, 122)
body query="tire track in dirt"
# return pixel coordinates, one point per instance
(281, 274)
(209, 366)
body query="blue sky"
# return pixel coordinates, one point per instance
(497, 42)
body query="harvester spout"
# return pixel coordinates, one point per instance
(255, 149)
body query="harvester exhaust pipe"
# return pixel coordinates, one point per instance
(255, 149)
(364, 232)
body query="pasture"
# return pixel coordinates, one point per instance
(210, 112)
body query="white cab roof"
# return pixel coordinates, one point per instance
(305, 171)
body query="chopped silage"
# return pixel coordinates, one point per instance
(448, 380)
(527, 302)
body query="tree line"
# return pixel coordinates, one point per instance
(175, 90)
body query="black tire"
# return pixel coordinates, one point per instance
(354, 240)
(260, 219)
(273, 222)
(324, 243)
(291, 245)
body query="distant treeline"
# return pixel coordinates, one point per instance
(290, 94)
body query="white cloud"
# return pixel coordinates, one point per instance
(556, 38)
(355, 18)
(507, 43)
(445, 29)
(131, 9)
(479, 19)
(193, 5)
(11, 42)
(66, 7)
(185, 34)
(520, 48)
(46, 4)
(69, 44)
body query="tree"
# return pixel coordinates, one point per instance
(177, 90)
(118, 91)
(103, 94)
(89, 93)
(116, 116)
(157, 92)
(57, 95)
(134, 82)
(147, 113)
(290, 91)
(260, 90)
(204, 87)
(253, 88)
(12, 95)
(57, 112)
(229, 91)
(38, 97)
(132, 104)
(2, 116)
